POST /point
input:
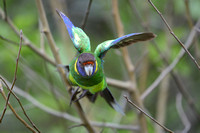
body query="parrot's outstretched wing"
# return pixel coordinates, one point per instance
(122, 41)
(79, 38)
(106, 94)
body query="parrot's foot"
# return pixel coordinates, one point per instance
(74, 93)
(84, 93)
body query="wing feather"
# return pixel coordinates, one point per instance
(79, 38)
(123, 41)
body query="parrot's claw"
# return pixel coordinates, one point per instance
(84, 93)
(74, 93)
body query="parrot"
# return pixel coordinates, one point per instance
(85, 71)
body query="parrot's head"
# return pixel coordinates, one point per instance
(86, 64)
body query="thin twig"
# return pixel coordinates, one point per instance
(182, 114)
(79, 125)
(86, 15)
(15, 76)
(8, 40)
(166, 129)
(13, 110)
(171, 32)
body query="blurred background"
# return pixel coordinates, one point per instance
(38, 79)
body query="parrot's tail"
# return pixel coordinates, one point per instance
(106, 94)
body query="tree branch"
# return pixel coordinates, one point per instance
(166, 129)
(171, 32)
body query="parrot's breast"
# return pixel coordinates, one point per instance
(94, 83)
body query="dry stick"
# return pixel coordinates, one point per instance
(129, 66)
(180, 86)
(166, 129)
(171, 32)
(86, 15)
(173, 64)
(15, 76)
(54, 50)
(13, 110)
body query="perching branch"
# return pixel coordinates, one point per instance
(166, 129)
(54, 50)
(67, 116)
(171, 32)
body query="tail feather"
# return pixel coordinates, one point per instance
(106, 94)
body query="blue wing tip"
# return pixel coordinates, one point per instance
(66, 20)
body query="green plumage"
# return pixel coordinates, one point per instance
(94, 83)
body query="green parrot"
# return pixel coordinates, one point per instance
(86, 70)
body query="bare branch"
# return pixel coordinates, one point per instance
(8, 40)
(166, 129)
(171, 32)
(86, 15)
(125, 85)
(182, 114)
